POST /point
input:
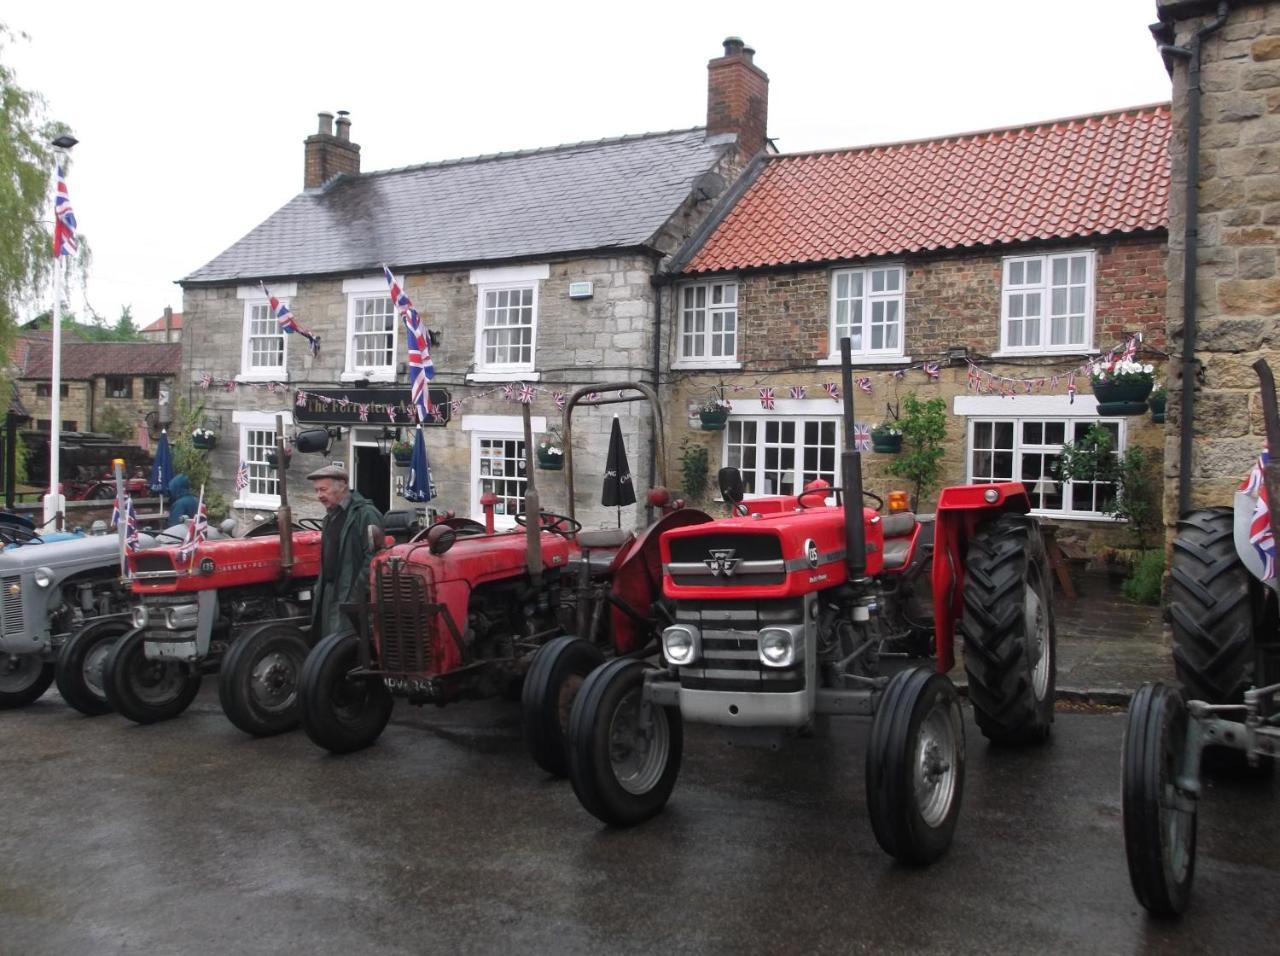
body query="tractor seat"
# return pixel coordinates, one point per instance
(599, 548)
(604, 538)
(898, 529)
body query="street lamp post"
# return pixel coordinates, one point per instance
(55, 503)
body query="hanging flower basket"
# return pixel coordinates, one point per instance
(549, 462)
(1156, 403)
(550, 451)
(204, 439)
(1122, 387)
(402, 453)
(713, 419)
(886, 439)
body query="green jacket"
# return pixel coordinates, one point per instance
(352, 581)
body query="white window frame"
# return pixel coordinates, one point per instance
(252, 296)
(493, 428)
(706, 360)
(358, 290)
(507, 279)
(1045, 289)
(252, 421)
(1042, 408)
(757, 476)
(866, 354)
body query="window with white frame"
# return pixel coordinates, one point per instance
(867, 306)
(498, 466)
(1047, 303)
(779, 456)
(1028, 450)
(506, 327)
(264, 342)
(264, 489)
(371, 330)
(708, 323)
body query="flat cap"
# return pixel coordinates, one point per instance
(330, 471)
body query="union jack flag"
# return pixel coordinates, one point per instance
(766, 397)
(560, 399)
(900, 374)
(508, 392)
(364, 412)
(1071, 389)
(1260, 534)
(205, 381)
(421, 367)
(864, 383)
(64, 221)
(287, 322)
(798, 391)
(197, 531)
(242, 476)
(862, 436)
(302, 399)
(527, 392)
(832, 390)
(1131, 347)
(932, 370)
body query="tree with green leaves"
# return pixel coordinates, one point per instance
(924, 433)
(124, 329)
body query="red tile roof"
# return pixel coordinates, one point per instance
(82, 361)
(158, 324)
(1082, 176)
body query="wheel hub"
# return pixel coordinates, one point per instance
(639, 740)
(1036, 622)
(18, 671)
(274, 680)
(935, 765)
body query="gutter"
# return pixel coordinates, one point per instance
(1190, 245)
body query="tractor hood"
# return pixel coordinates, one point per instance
(77, 552)
(479, 558)
(225, 562)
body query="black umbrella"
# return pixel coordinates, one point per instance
(618, 490)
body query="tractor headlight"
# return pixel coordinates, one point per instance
(139, 615)
(680, 644)
(777, 647)
(182, 617)
(43, 577)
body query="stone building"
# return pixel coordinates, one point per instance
(1234, 225)
(167, 328)
(100, 380)
(535, 270)
(985, 269)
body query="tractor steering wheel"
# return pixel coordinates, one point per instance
(310, 524)
(874, 497)
(825, 490)
(559, 524)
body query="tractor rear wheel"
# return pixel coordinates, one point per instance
(258, 680)
(624, 752)
(1159, 818)
(340, 713)
(1010, 646)
(23, 678)
(143, 690)
(555, 676)
(915, 766)
(81, 666)
(1212, 609)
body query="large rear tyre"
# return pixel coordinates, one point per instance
(143, 690)
(624, 752)
(23, 678)
(80, 667)
(555, 676)
(258, 680)
(340, 713)
(1159, 818)
(915, 766)
(1010, 645)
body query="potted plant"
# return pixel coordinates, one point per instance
(402, 452)
(1133, 477)
(204, 438)
(550, 450)
(886, 438)
(1122, 387)
(714, 412)
(1156, 402)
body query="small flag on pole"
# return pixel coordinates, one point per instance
(242, 476)
(287, 322)
(197, 531)
(64, 221)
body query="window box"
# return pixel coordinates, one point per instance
(1123, 397)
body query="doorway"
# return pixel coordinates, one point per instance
(373, 476)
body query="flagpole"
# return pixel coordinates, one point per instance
(195, 521)
(54, 502)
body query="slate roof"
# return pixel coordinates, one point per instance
(1089, 175)
(83, 361)
(614, 193)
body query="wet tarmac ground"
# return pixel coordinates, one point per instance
(189, 837)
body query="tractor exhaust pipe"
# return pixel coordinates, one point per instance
(855, 535)
(284, 516)
(532, 509)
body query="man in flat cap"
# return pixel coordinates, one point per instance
(344, 549)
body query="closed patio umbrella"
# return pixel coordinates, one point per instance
(162, 468)
(419, 487)
(618, 490)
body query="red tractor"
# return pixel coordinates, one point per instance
(795, 609)
(464, 611)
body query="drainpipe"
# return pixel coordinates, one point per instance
(656, 283)
(1189, 247)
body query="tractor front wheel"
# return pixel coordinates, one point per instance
(915, 766)
(258, 680)
(554, 679)
(342, 714)
(1159, 816)
(23, 678)
(624, 752)
(1010, 647)
(146, 691)
(81, 666)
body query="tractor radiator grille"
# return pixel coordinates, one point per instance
(727, 561)
(12, 605)
(731, 662)
(150, 563)
(404, 625)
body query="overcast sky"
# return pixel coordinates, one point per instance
(191, 117)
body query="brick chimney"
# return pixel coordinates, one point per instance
(738, 98)
(328, 155)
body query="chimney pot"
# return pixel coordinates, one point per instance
(326, 124)
(344, 125)
(732, 46)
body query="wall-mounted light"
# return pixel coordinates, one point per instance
(385, 441)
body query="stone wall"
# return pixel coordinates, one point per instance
(1238, 287)
(76, 405)
(133, 409)
(950, 300)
